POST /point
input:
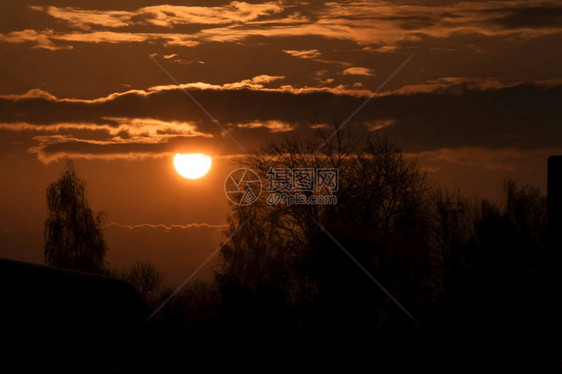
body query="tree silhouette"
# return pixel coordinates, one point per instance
(471, 272)
(282, 263)
(451, 225)
(146, 279)
(73, 236)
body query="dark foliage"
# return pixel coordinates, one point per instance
(146, 280)
(287, 296)
(73, 235)
(466, 279)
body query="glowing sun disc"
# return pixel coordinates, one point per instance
(192, 166)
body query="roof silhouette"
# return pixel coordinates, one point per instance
(69, 320)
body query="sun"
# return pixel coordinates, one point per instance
(193, 165)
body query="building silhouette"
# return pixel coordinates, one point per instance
(70, 321)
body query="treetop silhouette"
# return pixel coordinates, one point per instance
(73, 235)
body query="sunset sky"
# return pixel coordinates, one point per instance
(479, 101)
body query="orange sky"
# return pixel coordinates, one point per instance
(477, 103)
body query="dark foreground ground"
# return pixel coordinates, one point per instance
(70, 321)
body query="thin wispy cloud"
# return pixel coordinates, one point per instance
(168, 227)
(272, 125)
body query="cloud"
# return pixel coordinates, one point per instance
(169, 15)
(85, 18)
(379, 124)
(306, 54)
(150, 129)
(51, 148)
(358, 71)
(264, 78)
(166, 227)
(46, 39)
(381, 49)
(389, 26)
(34, 93)
(161, 15)
(377, 26)
(541, 15)
(320, 76)
(505, 159)
(313, 54)
(174, 57)
(274, 126)
(168, 39)
(447, 84)
(255, 83)
(495, 159)
(41, 40)
(135, 124)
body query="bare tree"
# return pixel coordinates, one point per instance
(146, 279)
(73, 235)
(451, 225)
(379, 216)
